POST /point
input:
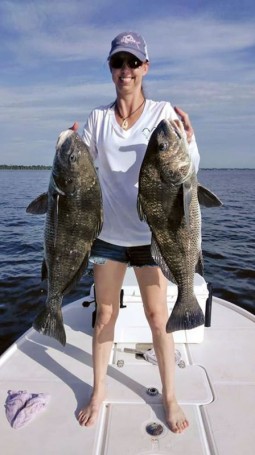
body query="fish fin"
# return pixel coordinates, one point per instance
(38, 206)
(140, 211)
(158, 258)
(50, 322)
(185, 317)
(207, 198)
(44, 271)
(187, 196)
(200, 265)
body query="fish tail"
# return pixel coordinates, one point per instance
(50, 322)
(185, 316)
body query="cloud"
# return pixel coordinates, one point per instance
(55, 71)
(66, 30)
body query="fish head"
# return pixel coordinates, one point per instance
(69, 150)
(70, 161)
(172, 154)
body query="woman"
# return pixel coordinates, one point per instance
(117, 136)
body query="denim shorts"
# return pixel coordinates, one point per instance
(134, 256)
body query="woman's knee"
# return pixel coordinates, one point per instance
(106, 314)
(156, 319)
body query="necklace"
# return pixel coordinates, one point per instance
(124, 124)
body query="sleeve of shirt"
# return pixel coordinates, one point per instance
(192, 146)
(194, 153)
(89, 134)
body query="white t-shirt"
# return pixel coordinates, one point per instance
(118, 154)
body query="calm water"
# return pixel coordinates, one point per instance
(228, 245)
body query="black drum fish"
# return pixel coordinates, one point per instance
(74, 217)
(168, 200)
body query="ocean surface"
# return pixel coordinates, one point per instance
(228, 234)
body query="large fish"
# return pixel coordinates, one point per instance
(73, 207)
(168, 200)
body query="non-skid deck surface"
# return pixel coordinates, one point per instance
(39, 364)
(227, 354)
(218, 405)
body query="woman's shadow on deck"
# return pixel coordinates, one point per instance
(39, 348)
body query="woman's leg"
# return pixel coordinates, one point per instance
(153, 288)
(108, 280)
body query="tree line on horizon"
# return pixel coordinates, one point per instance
(21, 167)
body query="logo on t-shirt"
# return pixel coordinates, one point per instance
(147, 132)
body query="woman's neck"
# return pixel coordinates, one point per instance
(128, 103)
(128, 109)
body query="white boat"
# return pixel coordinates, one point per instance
(215, 384)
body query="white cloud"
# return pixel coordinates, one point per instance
(64, 30)
(200, 63)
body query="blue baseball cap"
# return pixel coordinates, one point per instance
(130, 42)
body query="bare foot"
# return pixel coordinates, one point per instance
(88, 415)
(175, 416)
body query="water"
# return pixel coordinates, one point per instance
(228, 245)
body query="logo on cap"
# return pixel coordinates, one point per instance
(127, 39)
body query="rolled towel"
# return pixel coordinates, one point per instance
(150, 356)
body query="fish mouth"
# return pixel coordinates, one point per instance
(170, 126)
(165, 127)
(64, 135)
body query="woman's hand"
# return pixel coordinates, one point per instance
(186, 122)
(75, 127)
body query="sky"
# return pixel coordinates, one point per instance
(54, 70)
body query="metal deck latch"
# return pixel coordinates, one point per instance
(152, 391)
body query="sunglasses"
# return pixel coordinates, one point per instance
(131, 62)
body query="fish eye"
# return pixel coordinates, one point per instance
(163, 146)
(72, 158)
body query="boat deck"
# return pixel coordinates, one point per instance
(215, 384)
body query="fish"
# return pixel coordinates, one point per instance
(169, 199)
(74, 218)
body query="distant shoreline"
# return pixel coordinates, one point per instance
(40, 167)
(20, 167)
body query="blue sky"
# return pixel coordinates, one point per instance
(54, 70)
